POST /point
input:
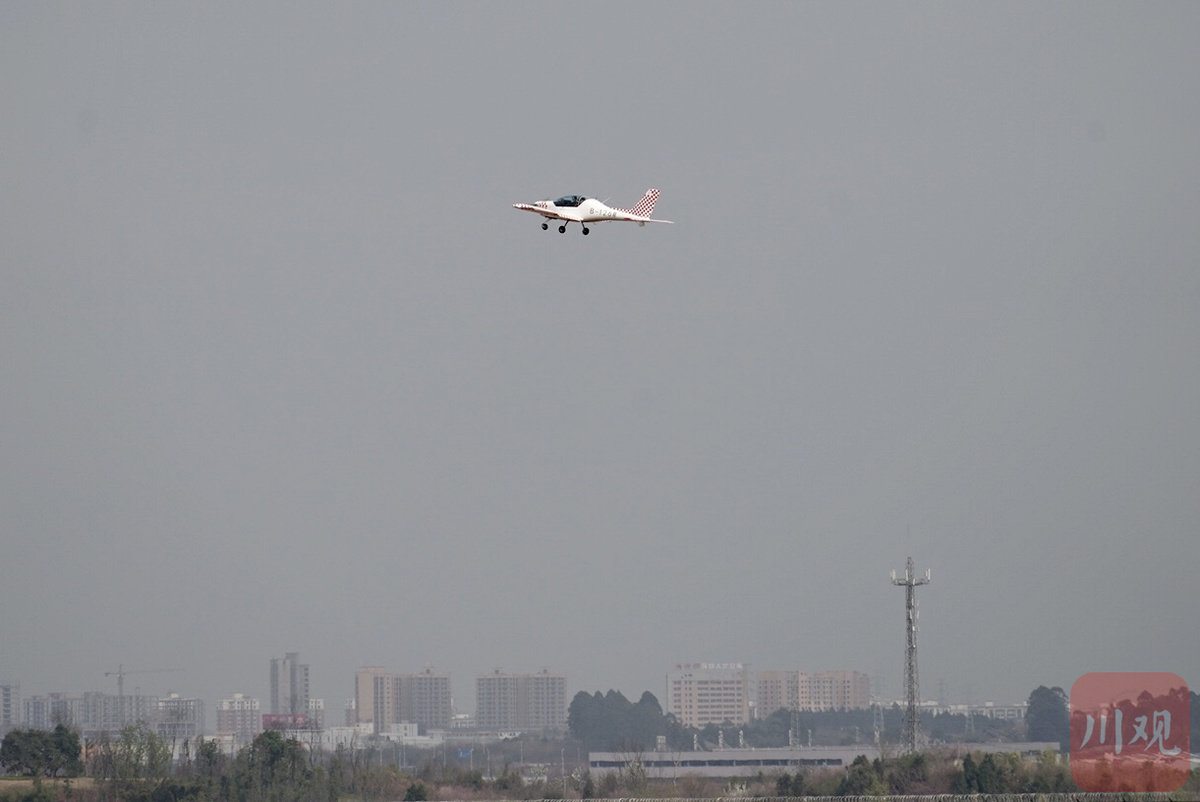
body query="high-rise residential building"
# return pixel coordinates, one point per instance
(840, 690)
(523, 702)
(289, 685)
(316, 714)
(386, 699)
(364, 693)
(699, 694)
(47, 712)
(241, 717)
(106, 712)
(178, 719)
(425, 699)
(823, 690)
(10, 708)
(496, 701)
(36, 713)
(93, 713)
(547, 700)
(384, 711)
(776, 690)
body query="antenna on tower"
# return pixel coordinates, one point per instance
(911, 727)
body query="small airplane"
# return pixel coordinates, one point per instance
(584, 210)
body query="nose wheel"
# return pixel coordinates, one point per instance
(545, 226)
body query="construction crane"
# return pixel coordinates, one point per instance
(120, 675)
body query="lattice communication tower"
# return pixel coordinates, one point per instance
(912, 686)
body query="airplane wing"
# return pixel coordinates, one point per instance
(544, 211)
(636, 218)
(626, 217)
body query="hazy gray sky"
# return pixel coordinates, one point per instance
(282, 370)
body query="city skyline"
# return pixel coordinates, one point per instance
(791, 688)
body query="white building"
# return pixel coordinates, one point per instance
(177, 719)
(668, 764)
(823, 690)
(699, 694)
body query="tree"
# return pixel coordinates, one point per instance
(133, 763)
(25, 752)
(66, 752)
(999, 774)
(1047, 719)
(610, 721)
(416, 793)
(908, 774)
(774, 730)
(42, 753)
(789, 785)
(581, 715)
(509, 780)
(967, 781)
(862, 778)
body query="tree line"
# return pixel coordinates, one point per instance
(136, 765)
(610, 722)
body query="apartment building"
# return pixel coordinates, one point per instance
(10, 708)
(239, 716)
(424, 699)
(521, 702)
(800, 690)
(178, 719)
(365, 691)
(386, 700)
(699, 694)
(96, 712)
(776, 690)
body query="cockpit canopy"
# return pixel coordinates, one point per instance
(570, 200)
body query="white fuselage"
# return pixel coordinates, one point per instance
(590, 211)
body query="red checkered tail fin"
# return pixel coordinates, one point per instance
(646, 205)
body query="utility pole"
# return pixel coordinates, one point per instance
(911, 728)
(877, 721)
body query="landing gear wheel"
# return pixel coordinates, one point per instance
(585, 230)
(562, 229)
(545, 226)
